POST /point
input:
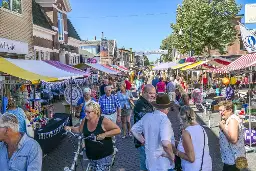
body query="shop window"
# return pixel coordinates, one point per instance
(12, 5)
(37, 55)
(46, 56)
(60, 26)
(42, 56)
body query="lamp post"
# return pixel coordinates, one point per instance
(181, 33)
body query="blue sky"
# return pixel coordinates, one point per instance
(137, 24)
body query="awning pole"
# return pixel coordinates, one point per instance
(71, 89)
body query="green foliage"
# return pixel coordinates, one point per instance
(167, 44)
(208, 23)
(5, 4)
(146, 61)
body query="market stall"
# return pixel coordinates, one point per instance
(26, 82)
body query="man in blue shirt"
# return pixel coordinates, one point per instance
(17, 150)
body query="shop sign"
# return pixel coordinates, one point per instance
(250, 14)
(94, 60)
(12, 46)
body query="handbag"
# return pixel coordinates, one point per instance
(240, 162)
(201, 167)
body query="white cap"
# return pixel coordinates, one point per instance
(87, 90)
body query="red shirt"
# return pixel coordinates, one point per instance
(128, 85)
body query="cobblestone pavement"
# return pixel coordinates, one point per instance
(127, 158)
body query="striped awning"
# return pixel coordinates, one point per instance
(241, 63)
(194, 65)
(218, 71)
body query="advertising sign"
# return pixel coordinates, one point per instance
(94, 60)
(12, 46)
(152, 52)
(104, 48)
(250, 14)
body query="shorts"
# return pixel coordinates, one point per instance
(126, 112)
(103, 164)
(142, 158)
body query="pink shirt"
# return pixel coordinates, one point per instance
(160, 87)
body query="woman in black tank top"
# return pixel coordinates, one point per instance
(100, 149)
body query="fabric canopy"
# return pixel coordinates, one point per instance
(11, 69)
(218, 70)
(102, 68)
(119, 68)
(219, 62)
(241, 63)
(109, 67)
(164, 66)
(181, 65)
(42, 68)
(194, 65)
(67, 68)
(123, 68)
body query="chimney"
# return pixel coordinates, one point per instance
(102, 35)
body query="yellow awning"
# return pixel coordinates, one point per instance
(11, 69)
(181, 65)
(196, 64)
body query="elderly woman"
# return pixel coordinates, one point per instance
(83, 101)
(18, 112)
(231, 136)
(125, 98)
(94, 126)
(193, 147)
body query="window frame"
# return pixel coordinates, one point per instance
(11, 7)
(62, 24)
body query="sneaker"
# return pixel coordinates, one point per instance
(130, 134)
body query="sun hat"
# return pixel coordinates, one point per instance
(162, 101)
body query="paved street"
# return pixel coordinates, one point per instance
(127, 158)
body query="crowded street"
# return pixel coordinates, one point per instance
(166, 85)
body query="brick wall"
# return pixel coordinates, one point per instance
(42, 42)
(18, 27)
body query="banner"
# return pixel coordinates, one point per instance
(249, 39)
(152, 52)
(104, 48)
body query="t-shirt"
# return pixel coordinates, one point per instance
(160, 87)
(128, 85)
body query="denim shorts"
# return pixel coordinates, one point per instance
(142, 158)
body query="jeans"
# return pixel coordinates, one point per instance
(142, 158)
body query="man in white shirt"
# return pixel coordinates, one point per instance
(158, 136)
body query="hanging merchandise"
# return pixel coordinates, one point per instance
(94, 78)
(76, 94)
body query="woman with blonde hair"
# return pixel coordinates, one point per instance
(193, 147)
(99, 132)
(231, 137)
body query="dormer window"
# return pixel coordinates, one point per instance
(60, 27)
(12, 5)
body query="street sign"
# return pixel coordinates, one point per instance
(250, 14)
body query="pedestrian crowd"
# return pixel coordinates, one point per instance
(110, 102)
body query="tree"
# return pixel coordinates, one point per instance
(146, 61)
(167, 44)
(205, 25)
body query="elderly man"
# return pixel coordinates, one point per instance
(17, 150)
(102, 87)
(158, 136)
(110, 106)
(142, 107)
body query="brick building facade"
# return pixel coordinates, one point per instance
(54, 36)
(16, 29)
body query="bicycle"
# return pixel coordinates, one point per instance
(81, 149)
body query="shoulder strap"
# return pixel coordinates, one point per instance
(201, 168)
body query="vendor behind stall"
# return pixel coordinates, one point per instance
(18, 112)
(83, 101)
